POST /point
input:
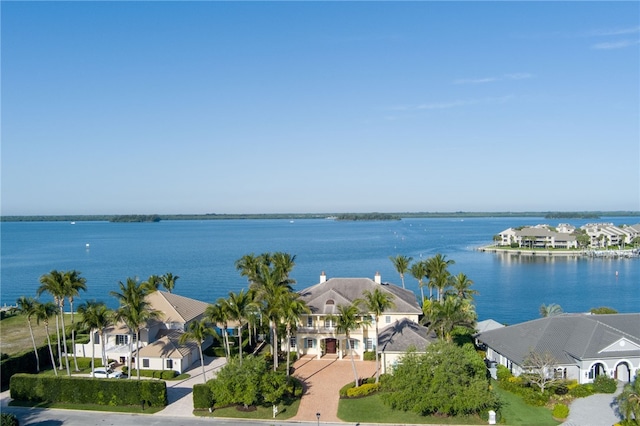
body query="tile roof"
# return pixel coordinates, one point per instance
(166, 345)
(346, 290)
(404, 334)
(568, 337)
(176, 308)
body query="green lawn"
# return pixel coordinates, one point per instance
(516, 412)
(371, 409)
(262, 413)
(90, 407)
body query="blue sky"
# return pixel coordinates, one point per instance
(227, 107)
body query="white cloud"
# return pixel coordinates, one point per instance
(621, 44)
(614, 32)
(513, 76)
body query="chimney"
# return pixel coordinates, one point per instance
(323, 277)
(378, 278)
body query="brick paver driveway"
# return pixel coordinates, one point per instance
(323, 379)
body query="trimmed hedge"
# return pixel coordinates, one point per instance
(24, 363)
(363, 390)
(156, 374)
(202, 396)
(84, 390)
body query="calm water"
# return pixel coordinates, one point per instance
(203, 255)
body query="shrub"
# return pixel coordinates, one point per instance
(362, 390)
(9, 419)
(156, 374)
(503, 373)
(369, 356)
(560, 411)
(202, 396)
(582, 391)
(604, 384)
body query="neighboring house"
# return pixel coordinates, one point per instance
(584, 345)
(398, 338)
(159, 349)
(317, 335)
(539, 236)
(607, 234)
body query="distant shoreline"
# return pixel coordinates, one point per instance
(595, 215)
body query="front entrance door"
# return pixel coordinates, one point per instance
(331, 346)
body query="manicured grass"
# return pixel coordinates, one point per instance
(261, 413)
(371, 409)
(15, 338)
(90, 407)
(516, 412)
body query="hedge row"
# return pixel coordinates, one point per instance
(84, 390)
(24, 363)
(156, 374)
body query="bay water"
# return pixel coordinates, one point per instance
(203, 255)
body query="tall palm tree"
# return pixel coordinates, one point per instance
(248, 266)
(42, 312)
(169, 281)
(238, 306)
(550, 310)
(54, 284)
(349, 318)
(96, 317)
(26, 307)
(135, 312)
(218, 315)
(629, 401)
(198, 332)
(73, 284)
(443, 317)
(462, 287)
(401, 263)
(438, 273)
(377, 302)
(419, 271)
(292, 308)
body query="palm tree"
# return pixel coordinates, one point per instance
(73, 284)
(26, 306)
(218, 315)
(462, 287)
(169, 281)
(42, 312)
(152, 283)
(629, 401)
(54, 283)
(292, 308)
(443, 317)
(377, 302)
(438, 273)
(198, 332)
(248, 266)
(419, 271)
(238, 305)
(134, 311)
(401, 263)
(550, 310)
(349, 318)
(96, 317)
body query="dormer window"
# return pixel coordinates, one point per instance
(330, 302)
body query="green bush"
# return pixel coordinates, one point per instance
(503, 373)
(24, 363)
(202, 397)
(582, 391)
(9, 419)
(560, 411)
(369, 356)
(363, 390)
(534, 397)
(604, 384)
(85, 390)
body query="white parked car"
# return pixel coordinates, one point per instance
(102, 373)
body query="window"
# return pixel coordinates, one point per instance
(328, 323)
(145, 362)
(309, 321)
(170, 364)
(122, 339)
(368, 344)
(310, 343)
(387, 319)
(353, 344)
(292, 343)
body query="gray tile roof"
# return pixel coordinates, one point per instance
(567, 337)
(405, 334)
(176, 308)
(345, 290)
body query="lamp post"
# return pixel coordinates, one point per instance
(318, 417)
